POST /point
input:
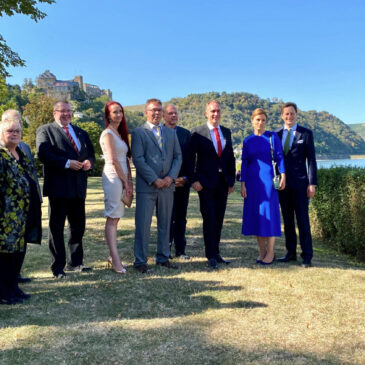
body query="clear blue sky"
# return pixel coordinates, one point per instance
(311, 52)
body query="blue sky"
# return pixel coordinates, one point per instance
(311, 52)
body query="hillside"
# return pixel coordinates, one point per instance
(359, 129)
(333, 138)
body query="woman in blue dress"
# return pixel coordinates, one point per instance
(261, 214)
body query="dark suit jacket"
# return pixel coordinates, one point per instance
(204, 160)
(301, 153)
(183, 135)
(54, 149)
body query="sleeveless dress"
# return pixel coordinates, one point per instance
(112, 185)
(261, 213)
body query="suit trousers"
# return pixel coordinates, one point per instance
(145, 204)
(178, 219)
(295, 202)
(58, 210)
(213, 203)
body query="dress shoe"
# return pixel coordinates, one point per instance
(18, 293)
(22, 280)
(221, 260)
(306, 263)
(78, 268)
(263, 263)
(167, 264)
(143, 269)
(212, 263)
(60, 275)
(183, 256)
(287, 258)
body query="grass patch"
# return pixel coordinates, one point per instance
(241, 314)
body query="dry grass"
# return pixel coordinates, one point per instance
(242, 314)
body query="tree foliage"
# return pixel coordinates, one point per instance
(11, 7)
(37, 112)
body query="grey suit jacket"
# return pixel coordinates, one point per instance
(150, 161)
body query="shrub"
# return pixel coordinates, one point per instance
(338, 209)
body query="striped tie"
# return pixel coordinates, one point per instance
(65, 128)
(158, 136)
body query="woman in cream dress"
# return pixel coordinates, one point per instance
(116, 175)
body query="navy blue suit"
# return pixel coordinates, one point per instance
(181, 196)
(301, 171)
(216, 175)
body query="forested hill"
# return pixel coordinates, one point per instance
(333, 138)
(359, 129)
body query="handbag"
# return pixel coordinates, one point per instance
(127, 199)
(276, 178)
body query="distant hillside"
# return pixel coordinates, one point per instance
(359, 129)
(333, 138)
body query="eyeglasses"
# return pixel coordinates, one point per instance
(64, 111)
(15, 131)
(155, 110)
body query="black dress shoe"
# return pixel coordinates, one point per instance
(306, 263)
(143, 269)
(18, 293)
(60, 275)
(221, 260)
(263, 263)
(22, 280)
(212, 263)
(167, 264)
(287, 258)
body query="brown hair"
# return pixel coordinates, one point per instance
(288, 105)
(154, 101)
(258, 111)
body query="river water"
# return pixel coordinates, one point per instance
(326, 164)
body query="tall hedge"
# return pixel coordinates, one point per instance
(338, 209)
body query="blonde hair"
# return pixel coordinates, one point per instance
(258, 111)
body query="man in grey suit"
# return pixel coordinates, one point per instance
(12, 114)
(157, 157)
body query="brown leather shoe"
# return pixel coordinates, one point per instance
(143, 269)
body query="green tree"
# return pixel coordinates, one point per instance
(94, 131)
(9, 8)
(37, 112)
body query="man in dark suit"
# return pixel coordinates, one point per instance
(157, 157)
(67, 155)
(182, 186)
(301, 181)
(213, 177)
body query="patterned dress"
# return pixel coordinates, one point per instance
(14, 201)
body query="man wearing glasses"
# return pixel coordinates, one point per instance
(157, 157)
(67, 155)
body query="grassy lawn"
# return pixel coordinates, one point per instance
(241, 314)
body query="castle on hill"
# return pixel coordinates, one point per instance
(75, 89)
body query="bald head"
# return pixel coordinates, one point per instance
(170, 116)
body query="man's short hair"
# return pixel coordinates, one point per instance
(55, 105)
(211, 102)
(167, 105)
(288, 105)
(154, 101)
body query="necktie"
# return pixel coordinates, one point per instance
(65, 128)
(218, 139)
(158, 136)
(287, 142)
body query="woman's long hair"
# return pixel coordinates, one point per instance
(122, 128)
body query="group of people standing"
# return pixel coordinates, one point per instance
(169, 160)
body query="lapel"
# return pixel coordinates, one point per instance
(61, 133)
(150, 134)
(297, 137)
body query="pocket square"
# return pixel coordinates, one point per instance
(300, 141)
